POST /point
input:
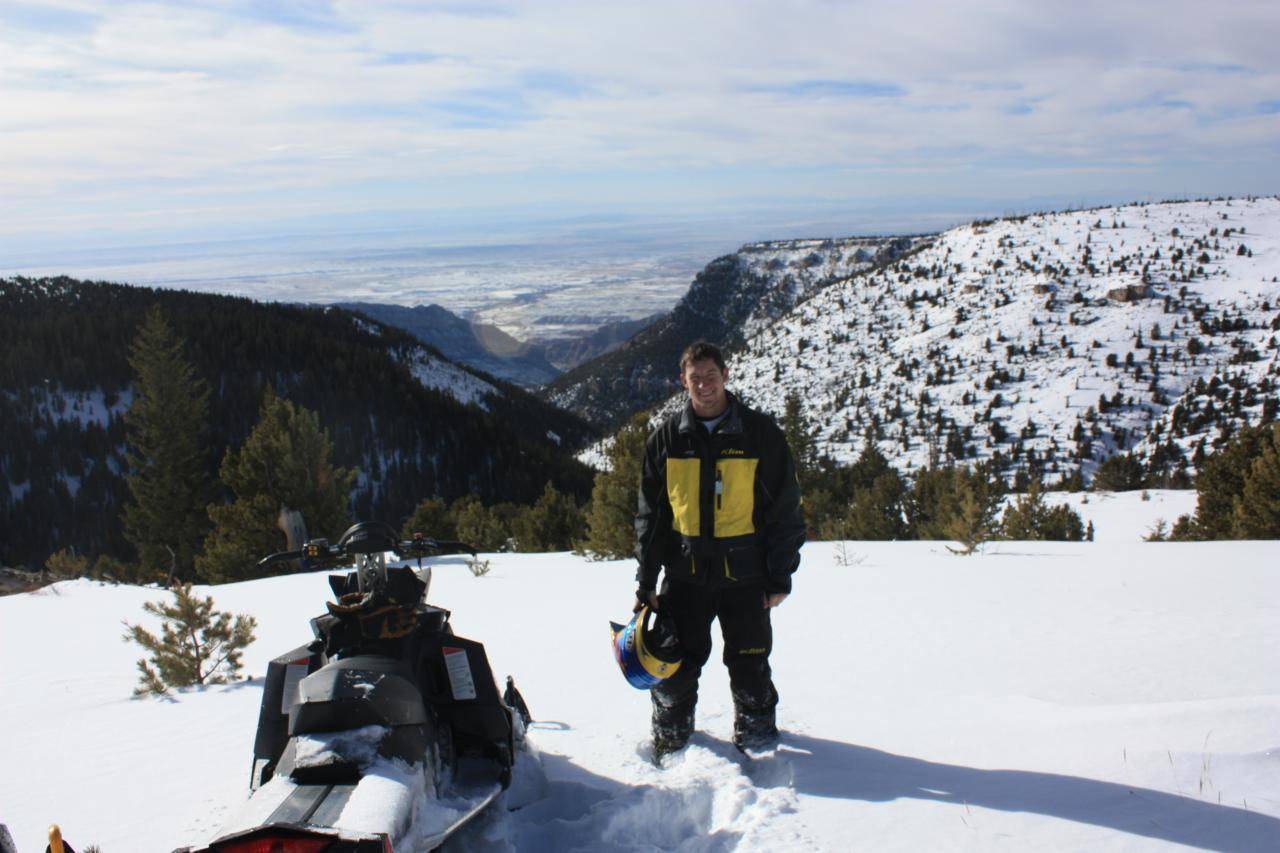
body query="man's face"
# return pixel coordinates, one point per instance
(705, 383)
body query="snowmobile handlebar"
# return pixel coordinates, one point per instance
(321, 551)
(421, 546)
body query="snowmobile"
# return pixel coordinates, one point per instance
(385, 733)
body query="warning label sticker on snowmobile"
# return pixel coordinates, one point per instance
(460, 680)
(293, 674)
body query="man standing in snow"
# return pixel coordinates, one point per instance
(719, 511)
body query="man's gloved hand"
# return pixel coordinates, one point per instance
(645, 597)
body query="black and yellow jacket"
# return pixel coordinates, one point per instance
(720, 508)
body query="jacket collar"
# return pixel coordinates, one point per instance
(731, 425)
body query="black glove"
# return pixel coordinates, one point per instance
(645, 597)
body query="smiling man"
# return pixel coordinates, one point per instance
(719, 513)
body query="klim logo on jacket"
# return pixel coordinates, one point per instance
(733, 451)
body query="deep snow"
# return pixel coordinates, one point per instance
(1115, 695)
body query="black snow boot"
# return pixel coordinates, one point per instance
(754, 731)
(671, 730)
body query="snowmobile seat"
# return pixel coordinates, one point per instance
(352, 693)
(362, 690)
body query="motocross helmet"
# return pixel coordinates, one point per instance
(647, 648)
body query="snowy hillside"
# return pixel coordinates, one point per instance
(789, 271)
(734, 296)
(1113, 696)
(486, 348)
(440, 374)
(1054, 340)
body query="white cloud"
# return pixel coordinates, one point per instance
(130, 107)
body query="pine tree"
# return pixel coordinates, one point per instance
(430, 518)
(484, 528)
(1030, 518)
(973, 520)
(800, 439)
(611, 515)
(1023, 517)
(1121, 472)
(197, 644)
(1256, 512)
(1220, 482)
(168, 472)
(833, 491)
(955, 503)
(553, 523)
(66, 563)
(876, 512)
(932, 501)
(283, 466)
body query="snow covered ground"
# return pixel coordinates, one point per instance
(1115, 695)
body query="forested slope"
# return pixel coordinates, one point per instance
(390, 404)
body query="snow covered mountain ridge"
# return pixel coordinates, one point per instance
(733, 297)
(1052, 340)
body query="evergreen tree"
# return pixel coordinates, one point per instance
(283, 466)
(876, 512)
(168, 473)
(1030, 518)
(833, 490)
(1220, 483)
(430, 518)
(931, 502)
(1063, 524)
(801, 440)
(1256, 512)
(484, 528)
(66, 563)
(197, 644)
(973, 518)
(955, 503)
(553, 523)
(1121, 472)
(611, 515)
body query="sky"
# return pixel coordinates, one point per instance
(133, 122)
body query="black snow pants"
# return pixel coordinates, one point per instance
(748, 640)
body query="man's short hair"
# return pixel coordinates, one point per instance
(701, 351)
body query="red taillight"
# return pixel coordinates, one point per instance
(278, 844)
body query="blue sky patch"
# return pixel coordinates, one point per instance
(838, 89)
(37, 17)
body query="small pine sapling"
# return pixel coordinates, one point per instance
(197, 644)
(66, 563)
(973, 523)
(1158, 532)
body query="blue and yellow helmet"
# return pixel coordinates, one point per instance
(646, 648)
